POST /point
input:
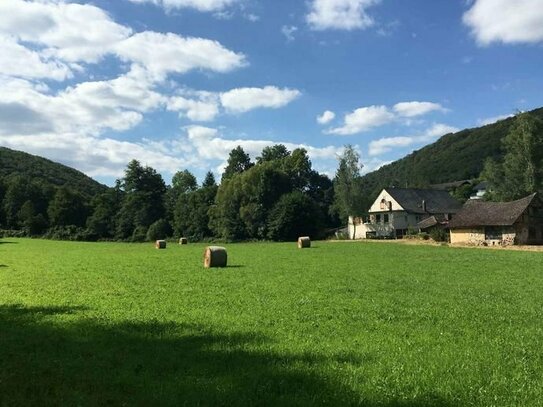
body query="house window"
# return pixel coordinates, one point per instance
(385, 218)
(378, 218)
(493, 233)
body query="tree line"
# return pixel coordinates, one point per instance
(279, 196)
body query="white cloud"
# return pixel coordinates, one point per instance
(104, 157)
(506, 21)
(326, 117)
(412, 109)
(288, 31)
(242, 100)
(200, 5)
(340, 14)
(386, 144)
(88, 107)
(363, 119)
(491, 120)
(166, 53)
(203, 109)
(20, 61)
(208, 145)
(68, 31)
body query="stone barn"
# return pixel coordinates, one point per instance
(499, 223)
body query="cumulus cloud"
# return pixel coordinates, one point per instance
(202, 109)
(208, 144)
(491, 120)
(20, 61)
(326, 117)
(168, 53)
(288, 31)
(68, 31)
(386, 144)
(412, 109)
(200, 5)
(242, 100)
(105, 157)
(506, 21)
(363, 119)
(367, 118)
(340, 14)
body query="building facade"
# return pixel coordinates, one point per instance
(499, 223)
(396, 211)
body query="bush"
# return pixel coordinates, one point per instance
(69, 232)
(159, 230)
(139, 234)
(439, 235)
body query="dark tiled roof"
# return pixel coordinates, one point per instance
(481, 213)
(451, 185)
(436, 201)
(432, 221)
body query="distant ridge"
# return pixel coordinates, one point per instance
(454, 157)
(17, 163)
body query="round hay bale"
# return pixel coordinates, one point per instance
(160, 244)
(183, 240)
(304, 242)
(215, 256)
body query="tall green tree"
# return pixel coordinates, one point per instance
(273, 153)
(521, 172)
(67, 208)
(347, 188)
(144, 199)
(238, 162)
(102, 222)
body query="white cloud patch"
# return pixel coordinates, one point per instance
(241, 100)
(386, 144)
(505, 21)
(208, 145)
(492, 120)
(200, 5)
(413, 109)
(326, 117)
(363, 119)
(288, 31)
(168, 53)
(68, 31)
(367, 118)
(340, 14)
(20, 61)
(203, 108)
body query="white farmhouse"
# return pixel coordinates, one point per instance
(396, 210)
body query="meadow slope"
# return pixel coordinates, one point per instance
(338, 324)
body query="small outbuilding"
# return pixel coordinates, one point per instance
(499, 223)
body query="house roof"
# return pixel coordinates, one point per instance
(431, 221)
(436, 201)
(481, 213)
(451, 185)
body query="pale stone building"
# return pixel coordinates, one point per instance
(398, 210)
(499, 223)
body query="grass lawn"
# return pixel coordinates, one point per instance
(370, 323)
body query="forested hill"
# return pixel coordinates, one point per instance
(453, 157)
(17, 163)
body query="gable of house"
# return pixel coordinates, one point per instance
(424, 201)
(385, 202)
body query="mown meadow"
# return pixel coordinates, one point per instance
(374, 324)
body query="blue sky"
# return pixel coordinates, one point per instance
(178, 83)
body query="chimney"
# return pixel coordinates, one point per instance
(423, 205)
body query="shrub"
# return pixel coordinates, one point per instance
(139, 234)
(159, 230)
(439, 235)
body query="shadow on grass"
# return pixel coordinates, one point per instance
(48, 360)
(2, 266)
(7, 242)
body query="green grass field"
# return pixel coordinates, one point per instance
(376, 324)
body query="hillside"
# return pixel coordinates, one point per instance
(453, 157)
(14, 163)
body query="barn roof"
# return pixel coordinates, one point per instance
(451, 185)
(481, 213)
(436, 201)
